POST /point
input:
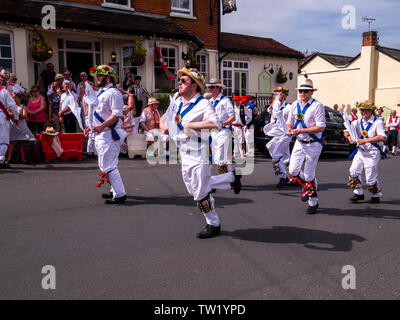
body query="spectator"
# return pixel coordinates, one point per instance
(46, 77)
(15, 87)
(392, 126)
(140, 91)
(36, 111)
(128, 81)
(54, 106)
(67, 76)
(353, 115)
(132, 107)
(19, 132)
(65, 114)
(59, 79)
(81, 87)
(336, 107)
(379, 115)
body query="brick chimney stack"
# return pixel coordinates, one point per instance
(370, 38)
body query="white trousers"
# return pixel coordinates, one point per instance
(309, 155)
(367, 161)
(222, 147)
(107, 153)
(4, 138)
(249, 137)
(222, 181)
(238, 140)
(197, 179)
(279, 150)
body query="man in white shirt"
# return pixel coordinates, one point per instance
(244, 127)
(306, 122)
(15, 87)
(370, 134)
(8, 112)
(109, 134)
(353, 115)
(222, 139)
(278, 146)
(188, 117)
(392, 125)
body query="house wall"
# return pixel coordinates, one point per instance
(256, 67)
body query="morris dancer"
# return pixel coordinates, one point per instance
(109, 135)
(221, 140)
(278, 147)
(306, 122)
(244, 129)
(370, 133)
(192, 111)
(8, 112)
(392, 125)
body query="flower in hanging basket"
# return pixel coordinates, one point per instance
(40, 49)
(281, 77)
(138, 55)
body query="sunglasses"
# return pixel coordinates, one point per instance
(183, 80)
(212, 87)
(304, 91)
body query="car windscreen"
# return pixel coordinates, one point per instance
(332, 116)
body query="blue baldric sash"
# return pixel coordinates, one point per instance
(114, 133)
(300, 120)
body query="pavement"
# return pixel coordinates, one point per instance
(52, 214)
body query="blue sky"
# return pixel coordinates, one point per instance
(315, 25)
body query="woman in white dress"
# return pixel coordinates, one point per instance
(19, 132)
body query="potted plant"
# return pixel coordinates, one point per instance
(138, 55)
(281, 77)
(40, 49)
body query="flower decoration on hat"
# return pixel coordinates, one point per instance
(104, 70)
(366, 105)
(281, 89)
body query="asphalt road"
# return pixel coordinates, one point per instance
(147, 249)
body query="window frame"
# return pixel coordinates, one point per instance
(156, 67)
(206, 72)
(178, 11)
(10, 34)
(128, 6)
(234, 66)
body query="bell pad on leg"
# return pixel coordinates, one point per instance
(275, 168)
(353, 182)
(222, 169)
(309, 189)
(204, 205)
(373, 189)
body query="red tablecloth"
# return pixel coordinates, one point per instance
(72, 144)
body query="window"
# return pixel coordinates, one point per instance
(162, 83)
(235, 76)
(202, 63)
(126, 63)
(6, 60)
(182, 7)
(119, 4)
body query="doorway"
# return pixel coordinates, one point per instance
(241, 83)
(78, 62)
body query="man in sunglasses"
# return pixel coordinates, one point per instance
(186, 118)
(306, 122)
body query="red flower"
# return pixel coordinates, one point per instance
(106, 68)
(91, 70)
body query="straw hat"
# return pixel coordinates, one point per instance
(366, 105)
(307, 85)
(5, 74)
(104, 70)
(152, 100)
(282, 89)
(216, 83)
(195, 75)
(59, 76)
(50, 131)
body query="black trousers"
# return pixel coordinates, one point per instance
(35, 127)
(69, 123)
(391, 139)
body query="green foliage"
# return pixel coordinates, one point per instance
(139, 51)
(164, 102)
(281, 77)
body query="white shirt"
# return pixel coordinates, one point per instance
(282, 110)
(377, 129)
(8, 102)
(224, 108)
(314, 116)
(395, 123)
(62, 101)
(110, 103)
(248, 115)
(16, 88)
(139, 92)
(202, 111)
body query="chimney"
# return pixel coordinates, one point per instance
(370, 38)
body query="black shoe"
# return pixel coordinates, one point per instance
(4, 166)
(305, 198)
(282, 183)
(312, 209)
(107, 195)
(209, 231)
(357, 197)
(213, 190)
(236, 185)
(116, 200)
(374, 200)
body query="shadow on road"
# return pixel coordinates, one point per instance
(309, 238)
(183, 201)
(369, 212)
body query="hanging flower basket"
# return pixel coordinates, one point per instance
(40, 50)
(138, 55)
(281, 77)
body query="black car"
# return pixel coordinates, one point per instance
(335, 141)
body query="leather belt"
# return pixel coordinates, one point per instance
(306, 142)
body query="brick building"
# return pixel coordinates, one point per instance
(88, 31)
